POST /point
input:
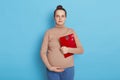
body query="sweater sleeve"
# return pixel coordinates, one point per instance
(44, 46)
(44, 49)
(79, 48)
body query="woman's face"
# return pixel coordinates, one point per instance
(60, 17)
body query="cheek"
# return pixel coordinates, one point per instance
(64, 19)
(56, 19)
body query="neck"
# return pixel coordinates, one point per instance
(59, 26)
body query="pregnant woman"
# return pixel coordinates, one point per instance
(58, 67)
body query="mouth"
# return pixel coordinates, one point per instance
(59, 21)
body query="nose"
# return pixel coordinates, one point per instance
(60, 18)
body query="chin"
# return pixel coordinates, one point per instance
(60, 23)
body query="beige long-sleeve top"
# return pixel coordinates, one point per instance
(51, 46)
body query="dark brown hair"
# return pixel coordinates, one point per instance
(59, 7)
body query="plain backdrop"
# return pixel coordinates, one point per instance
(24, 22)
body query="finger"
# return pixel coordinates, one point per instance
(63, 47)
(56, 67)
(59, 70)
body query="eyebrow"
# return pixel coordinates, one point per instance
(58, 15)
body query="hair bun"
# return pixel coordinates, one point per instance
(59, 7)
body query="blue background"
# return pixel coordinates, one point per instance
(24, 22)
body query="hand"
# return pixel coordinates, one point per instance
(64, 49)
(56, 69)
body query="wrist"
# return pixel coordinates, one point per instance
(49, 66)
(69, 49)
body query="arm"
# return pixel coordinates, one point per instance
(43, 55)
(44, 49)
(79, 48)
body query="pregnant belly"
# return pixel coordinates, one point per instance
(57, 59)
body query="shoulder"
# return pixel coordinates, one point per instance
(49, 31)
(71, 30)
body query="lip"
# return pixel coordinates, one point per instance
(60, 21)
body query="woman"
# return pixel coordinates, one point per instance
(58, 67)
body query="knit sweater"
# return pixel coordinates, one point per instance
(51, 46)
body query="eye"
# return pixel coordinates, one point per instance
(63, 16)
(57, 15)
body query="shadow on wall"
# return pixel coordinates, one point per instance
(41, 68)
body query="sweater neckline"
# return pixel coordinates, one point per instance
(60, 26)
(61, 30)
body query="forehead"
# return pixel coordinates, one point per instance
(60, 12)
